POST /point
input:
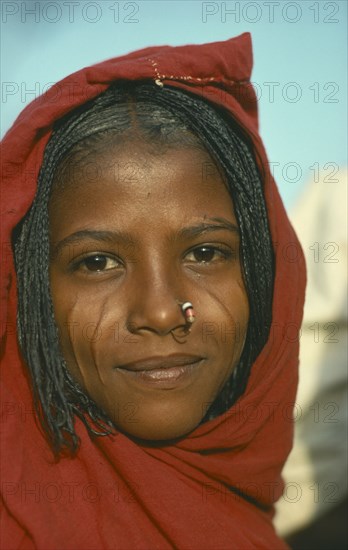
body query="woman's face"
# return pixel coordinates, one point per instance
(133, 235)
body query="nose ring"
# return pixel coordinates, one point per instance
(188, 312)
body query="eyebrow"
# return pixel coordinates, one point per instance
(94, 235)
(210, 224)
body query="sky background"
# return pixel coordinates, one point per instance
(299, 64)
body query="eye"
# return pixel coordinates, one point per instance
(98, 262)
(208, 254)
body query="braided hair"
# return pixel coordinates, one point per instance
(165, 118)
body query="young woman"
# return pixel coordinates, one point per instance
(157, 286)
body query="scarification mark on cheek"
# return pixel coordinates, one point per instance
(80, 345)
(74, 329)
(96, 346)
(231, 330)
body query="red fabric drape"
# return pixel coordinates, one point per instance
(117, 494)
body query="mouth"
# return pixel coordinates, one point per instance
(161, 362)
(166, 372)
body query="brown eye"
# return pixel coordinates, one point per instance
(209, 255)
(99, 263)
(204, 254)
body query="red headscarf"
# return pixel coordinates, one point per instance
(216, 487)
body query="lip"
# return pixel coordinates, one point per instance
(163, 372)
(161, 362)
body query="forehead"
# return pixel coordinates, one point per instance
(133, 182)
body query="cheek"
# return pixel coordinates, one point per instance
(236, 307)
(226, 315)
(226, 331)
(82, 325)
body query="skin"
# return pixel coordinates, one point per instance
(116, 296)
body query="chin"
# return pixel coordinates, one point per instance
(159, 432)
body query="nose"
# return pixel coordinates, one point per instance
(155, 305)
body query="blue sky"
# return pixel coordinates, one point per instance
(299, 63)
